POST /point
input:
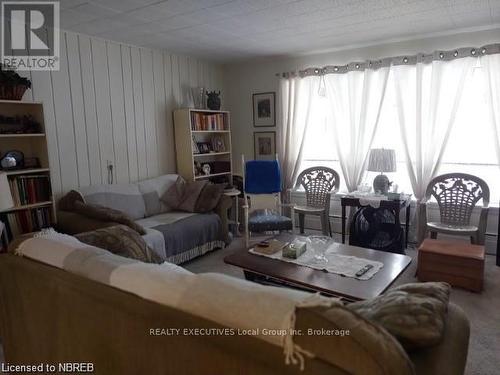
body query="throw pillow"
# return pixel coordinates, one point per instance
(209, 197)
(173, 196)
(184, 195)
(414, 313)
(120, 240)
(191, 194)
(98, 212)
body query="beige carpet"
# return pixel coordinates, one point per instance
(482, 309)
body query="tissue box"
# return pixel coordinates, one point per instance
(294, 249)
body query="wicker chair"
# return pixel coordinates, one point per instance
(318, 183)
(456, 194)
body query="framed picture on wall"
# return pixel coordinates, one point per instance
(264, 109)
(264, 145)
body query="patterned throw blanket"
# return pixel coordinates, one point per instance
(231, 302)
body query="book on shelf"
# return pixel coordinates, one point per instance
(203, 121)
(28, 189)
(26, 221)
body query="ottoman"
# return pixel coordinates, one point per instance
(457, 263)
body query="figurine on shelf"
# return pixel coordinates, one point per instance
(206, 169)
(213, 100)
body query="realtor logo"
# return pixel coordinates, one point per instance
(30, 35)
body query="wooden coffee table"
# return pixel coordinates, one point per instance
(263, 269)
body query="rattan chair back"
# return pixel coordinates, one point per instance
(457, 194)
(318, 182)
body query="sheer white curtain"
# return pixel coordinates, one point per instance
(355, 99)
(427, 98)
(295, 98)
(491, 66)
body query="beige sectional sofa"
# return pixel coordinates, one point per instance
(52, 315)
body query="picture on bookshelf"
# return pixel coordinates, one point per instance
(32, 163)
(218, 144)
(204, 147)
(194, 145)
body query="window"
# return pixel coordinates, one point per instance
(469, 149)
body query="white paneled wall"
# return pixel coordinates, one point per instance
(112, 103)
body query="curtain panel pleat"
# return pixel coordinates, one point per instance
(355, 100)
(295, 99)
(427, 113)
(491, 66)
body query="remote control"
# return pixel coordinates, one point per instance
(364, 270)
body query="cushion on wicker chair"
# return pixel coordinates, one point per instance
(267, 222)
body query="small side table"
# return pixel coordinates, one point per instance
(234, 193)
(395, 206)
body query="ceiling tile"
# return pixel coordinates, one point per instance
(225, 29)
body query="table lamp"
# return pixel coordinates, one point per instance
(382, 160)
(5, 199)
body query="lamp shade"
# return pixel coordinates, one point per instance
(5, 194)
(382, 160)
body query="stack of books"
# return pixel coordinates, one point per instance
(26, 221)
(202, 121)
(30, 189)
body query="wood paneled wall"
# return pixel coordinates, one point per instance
(112, 103)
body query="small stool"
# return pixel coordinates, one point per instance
(457, 263)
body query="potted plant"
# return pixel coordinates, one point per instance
(12, 85)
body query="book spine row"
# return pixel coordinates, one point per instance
(26, 221)
(201, 121)
(30, 189)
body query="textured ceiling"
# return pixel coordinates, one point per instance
(226, 30)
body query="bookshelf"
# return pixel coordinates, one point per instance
(203, 137)
(22, 128)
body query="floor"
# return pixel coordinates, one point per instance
(482, 309)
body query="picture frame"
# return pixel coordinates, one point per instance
(264, 145)
(204, 147)
(195, 148)
(218, 144)
(264, 109)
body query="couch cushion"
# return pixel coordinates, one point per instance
(261, 222)
(125, 197)
(152, 189)
(414, 313)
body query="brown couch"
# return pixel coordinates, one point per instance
(50, 315)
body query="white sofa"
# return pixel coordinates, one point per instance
(175, 236)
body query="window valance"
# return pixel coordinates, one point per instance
(397, 60)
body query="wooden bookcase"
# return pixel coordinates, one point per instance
(31, 187)
(194, 127)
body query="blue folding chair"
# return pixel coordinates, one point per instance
(262, 194)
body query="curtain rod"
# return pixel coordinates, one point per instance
(425, 58)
